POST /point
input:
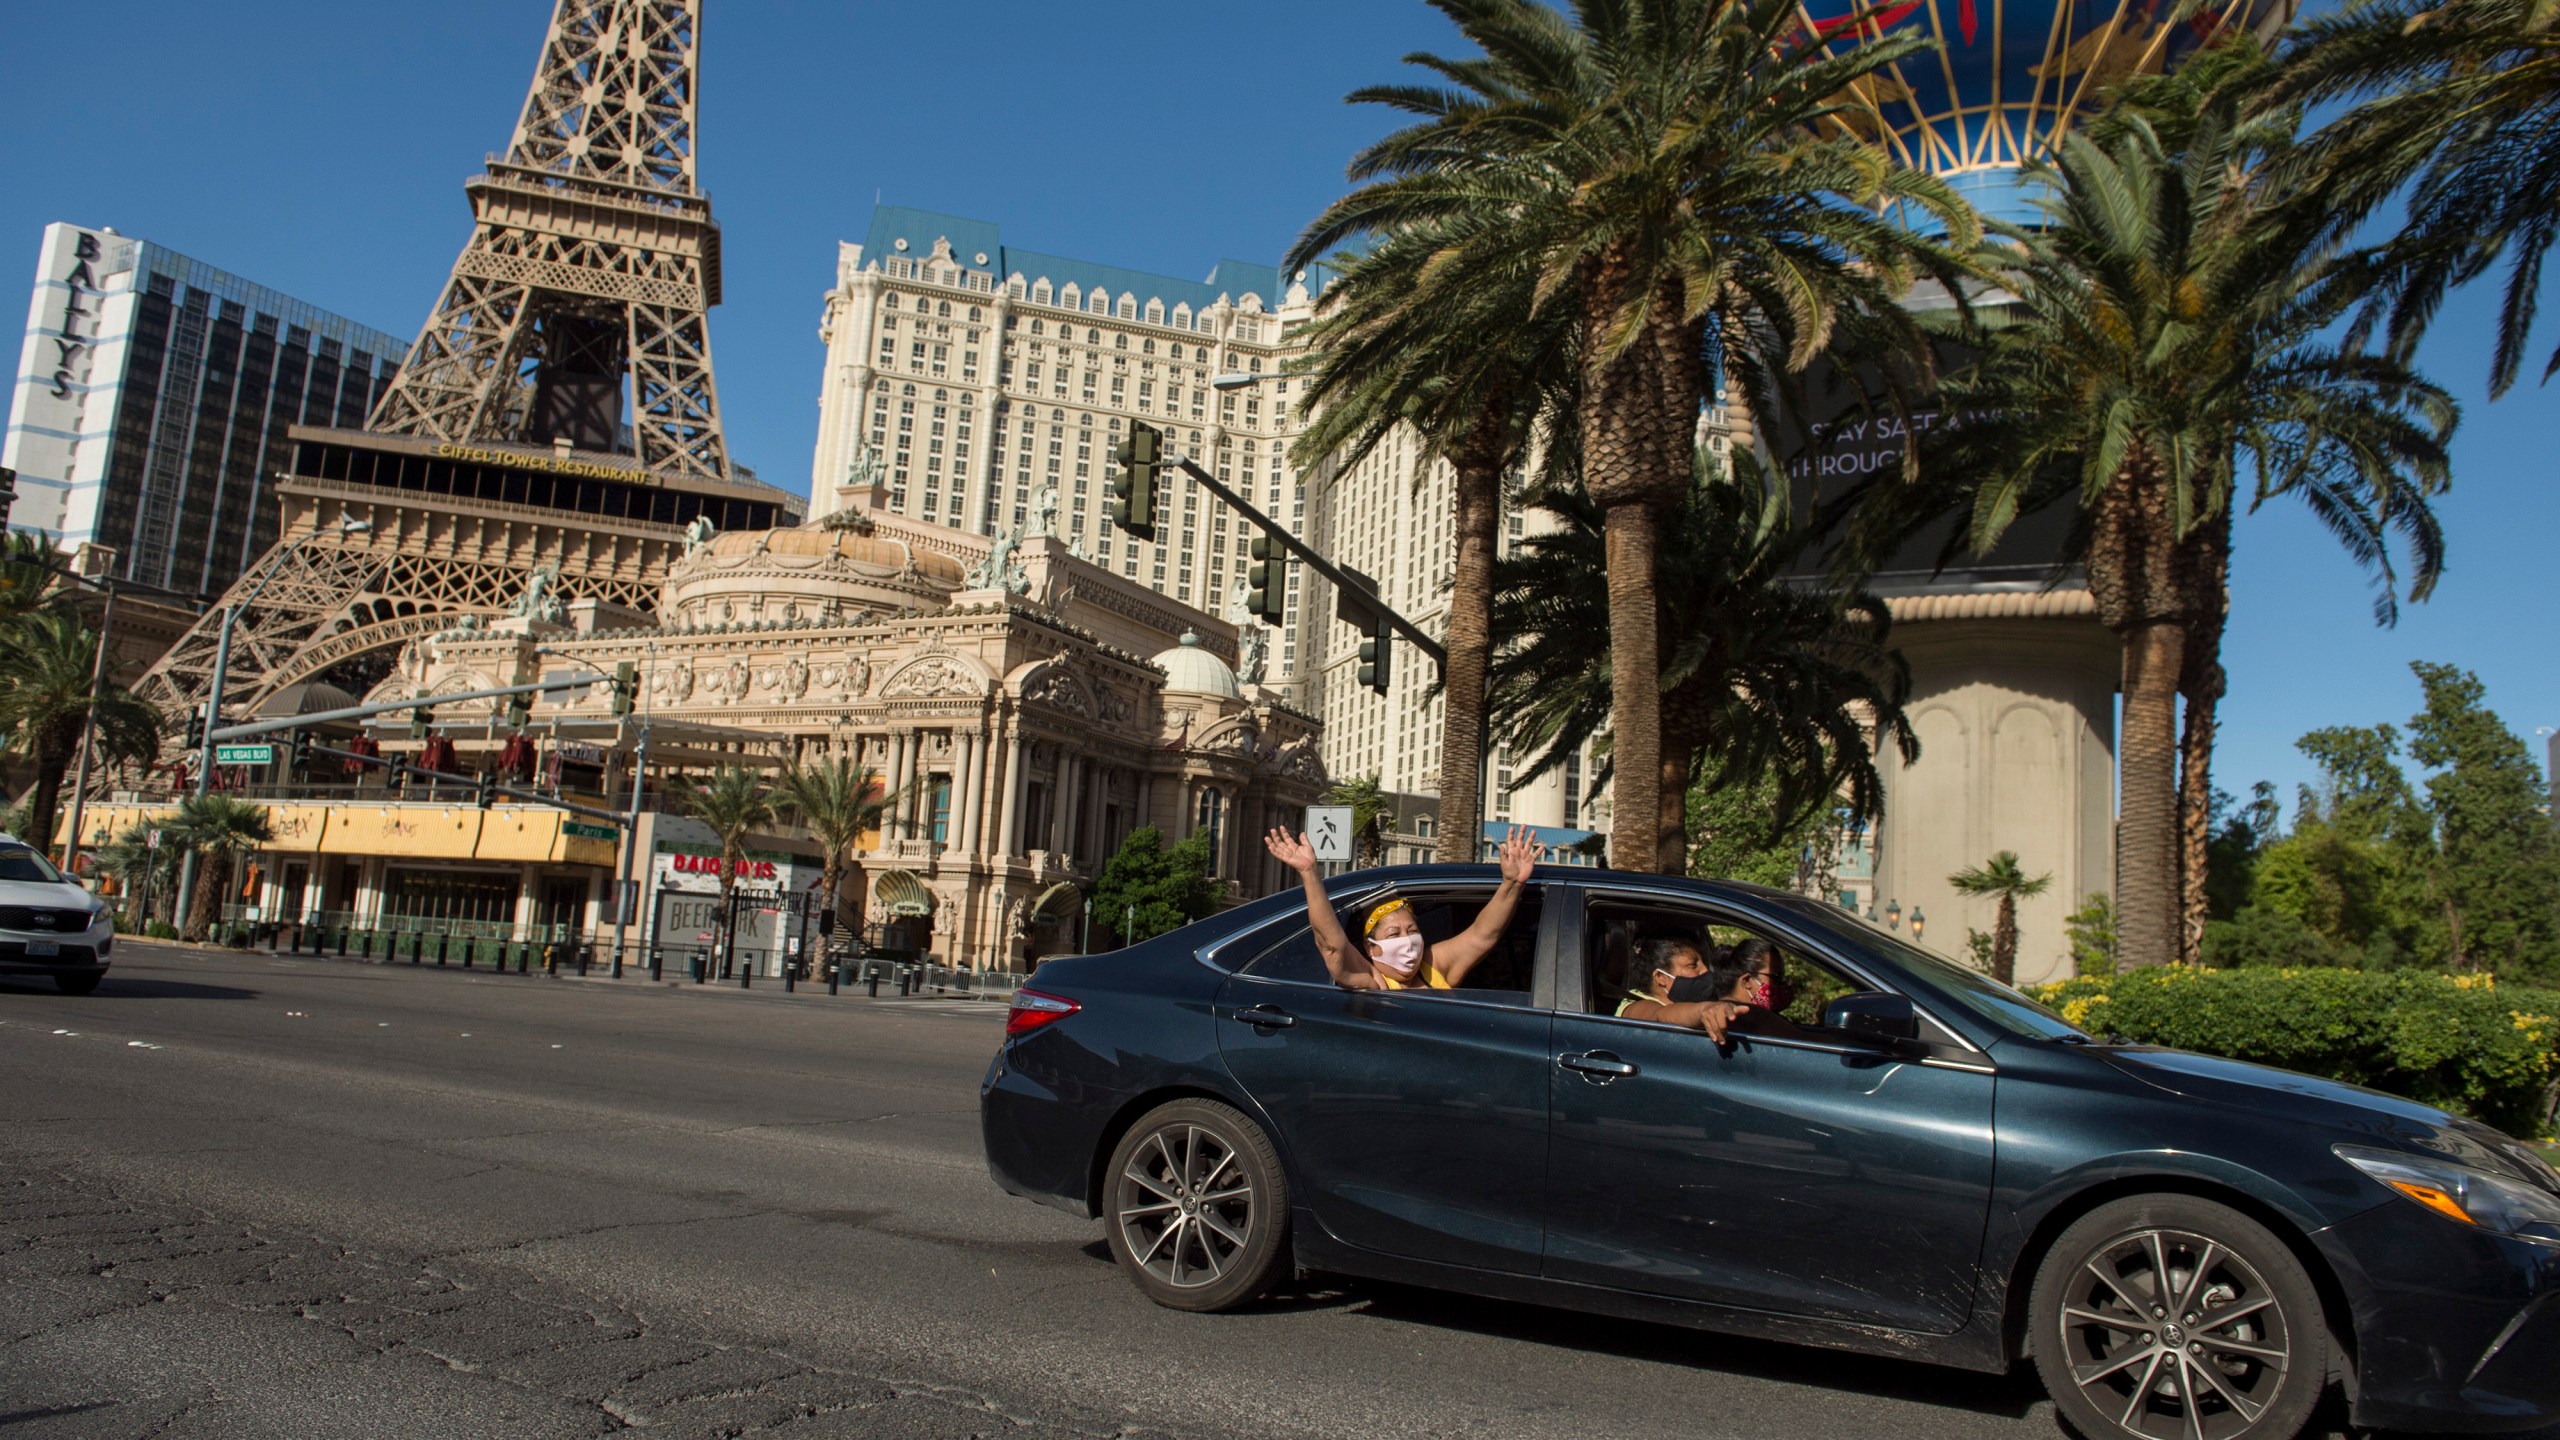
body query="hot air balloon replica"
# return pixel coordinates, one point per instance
(2013, 680)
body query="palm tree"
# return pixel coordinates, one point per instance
(735, 802)
(2461, 97)
(2003, 878)
(1371, 810)
(2168, 321)
(30, 571)
(1761, 674)
(1476, 373)
(1656, 162)
(48, 660)
(142, 870)
(221, 829)
(840, 802)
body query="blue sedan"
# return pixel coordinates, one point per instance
(1909, 1159)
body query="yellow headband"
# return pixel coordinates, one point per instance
(1380, 914)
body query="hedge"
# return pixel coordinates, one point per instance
(2463, 1043)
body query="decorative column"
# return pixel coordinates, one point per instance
(964, 792)
(895, 822)
(1017, 777)
(1071, 840)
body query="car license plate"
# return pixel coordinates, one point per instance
(44, 947)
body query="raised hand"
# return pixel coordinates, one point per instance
(1520, 853)
(1295, 853)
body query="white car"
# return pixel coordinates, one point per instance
(49, 925)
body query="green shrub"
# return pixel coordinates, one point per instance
(160, 930)
(2460, 1042)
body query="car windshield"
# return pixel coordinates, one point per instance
(17, 862)
(1976, 992)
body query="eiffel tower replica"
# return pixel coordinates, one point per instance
(501, 447)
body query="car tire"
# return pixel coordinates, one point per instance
(79, 984)
(1196, 1207)
(2237, 1333)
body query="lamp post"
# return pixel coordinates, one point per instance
(213, 694)
(626, 905)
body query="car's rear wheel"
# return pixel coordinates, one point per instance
(2170, 1317)
(1197, 1207)
(79, 984)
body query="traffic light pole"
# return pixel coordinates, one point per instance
(1280, 536)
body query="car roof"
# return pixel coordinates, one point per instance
(1418, 875)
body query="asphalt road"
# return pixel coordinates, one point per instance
(295, 1197)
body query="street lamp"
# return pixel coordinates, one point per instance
(1893, 914)
(1917, 921)
(213, 693)
(1238, 379)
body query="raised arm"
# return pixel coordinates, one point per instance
(1459, 953)
(1345, 961)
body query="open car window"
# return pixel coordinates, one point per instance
(1615, 936)
(1505, 975)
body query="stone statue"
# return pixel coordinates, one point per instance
(698, 534)
(998, 571)
(1240, 604)
(541, 597)
(1044, 511)
(1076, 550)
(1253, 649)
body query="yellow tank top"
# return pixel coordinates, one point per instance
(1426, 976)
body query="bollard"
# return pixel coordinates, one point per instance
(657, 970)
(470, 945)
(582, 962)
(835, 977)
(790, 976)
(342, 944)
(524, 959)
(873, 980)
(695, 964)
(417, 946)
(550, 960)
(746, 974)
(617, 962)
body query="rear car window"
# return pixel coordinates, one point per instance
(20, 863)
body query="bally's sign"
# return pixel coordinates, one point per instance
(84, 294)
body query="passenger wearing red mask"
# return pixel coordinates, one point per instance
(1392, 954)
(1752, 974)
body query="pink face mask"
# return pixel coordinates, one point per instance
(1398, 955)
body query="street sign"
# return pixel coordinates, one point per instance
(1329, 831)
(152, 840)
(585, 831)
(244, 754)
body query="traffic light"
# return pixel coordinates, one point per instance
(301, 752)
(1270, 580)
(485, 790)
(1134, 490)
(422, 723)
(395, 777)
(195, 729)
(1377, 655)
(626, 686)
(519, 712)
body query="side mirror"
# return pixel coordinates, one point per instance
(1873, 1015)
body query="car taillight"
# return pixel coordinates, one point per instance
(1032, 1009)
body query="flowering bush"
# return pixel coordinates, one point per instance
(2461, 1042)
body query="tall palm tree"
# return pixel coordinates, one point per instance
(30, 573)
(2168, 325)
(1372, 809)
(1658, 162)
(735, 802)
(48, 660)
(221, 829)
(2003, 878)
(840, 802)
(1762, 673)
(1477, 373)
(2460, 97)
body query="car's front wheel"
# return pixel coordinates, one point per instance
(1197, 1207)
(79, 984)
(2161, 1316)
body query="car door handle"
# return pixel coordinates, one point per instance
(1599, 1063)
(1265, 1017)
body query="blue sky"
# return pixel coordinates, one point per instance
(320, 148)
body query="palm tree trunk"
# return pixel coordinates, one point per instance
(1478, 522)
(2004, 941)
(2201, 684)
(1671, 841)
(210, 887)
(1635, 680)
(2147, 811)
(45, 796)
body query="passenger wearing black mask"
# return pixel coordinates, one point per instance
(1674, 993)
(1751, 976)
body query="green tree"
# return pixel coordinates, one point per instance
(840, 802)
(2241, 833)
(48, 660)
(2091, 930)
(2171, 325)
(1766, 682)
(2500, 870)
(221, 829)
(2002, 877)
(1475, 372)
(1735, 833)
(2452, 105)
(1148, 888)
(1372, 811)
(735, 802)
(1656, 163)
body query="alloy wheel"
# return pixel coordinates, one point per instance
(2176, 1335)
(1185, 1206)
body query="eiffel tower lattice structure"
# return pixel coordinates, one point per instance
(592, 252)
(501, 445)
